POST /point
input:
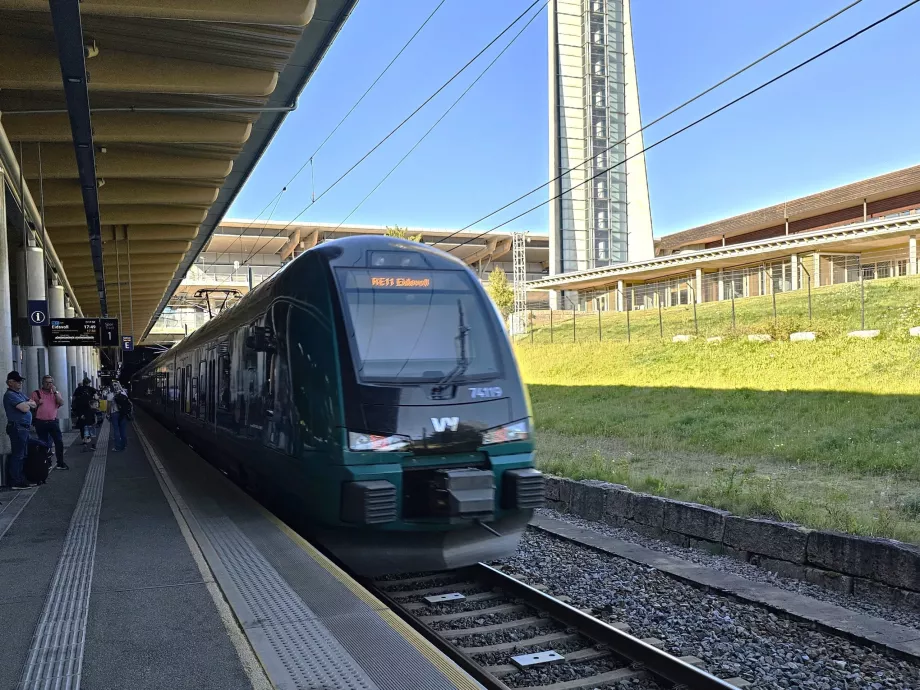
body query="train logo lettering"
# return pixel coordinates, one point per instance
(442, 424)
(487, 392)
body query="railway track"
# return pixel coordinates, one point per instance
(508, 634)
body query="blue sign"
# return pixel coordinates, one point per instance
(127, 342)
(38, 312)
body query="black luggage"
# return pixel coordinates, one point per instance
(37, 462)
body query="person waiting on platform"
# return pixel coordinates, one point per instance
(18, 420)
(47, 401)
(120, 408)
(84, 398)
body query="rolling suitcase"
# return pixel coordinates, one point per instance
(37, 462)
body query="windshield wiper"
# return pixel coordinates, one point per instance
(463, 360)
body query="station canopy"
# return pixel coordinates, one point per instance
(184, 97)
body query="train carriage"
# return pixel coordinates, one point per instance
(368, 394)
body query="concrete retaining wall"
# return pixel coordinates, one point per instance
(842, 562)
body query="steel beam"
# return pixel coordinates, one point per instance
(68, 33)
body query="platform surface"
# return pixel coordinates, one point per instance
(148, 569)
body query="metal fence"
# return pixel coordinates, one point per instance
(828, 294)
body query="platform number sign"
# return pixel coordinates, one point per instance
(38, 312)
(127, 343)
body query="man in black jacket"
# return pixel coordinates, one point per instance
(82, 409)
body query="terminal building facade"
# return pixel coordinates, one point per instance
(866, 230)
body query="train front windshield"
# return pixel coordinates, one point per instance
(419, 326)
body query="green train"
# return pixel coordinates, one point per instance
(367, 394)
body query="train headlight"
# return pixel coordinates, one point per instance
(375, 442)
(516, 431)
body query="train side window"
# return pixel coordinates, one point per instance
(193, 392)
(314, 377)
(280, 429)
(202, 388)
(223, 386)
(211, 390)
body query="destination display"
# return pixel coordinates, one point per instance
(400, 282)
(73, 332)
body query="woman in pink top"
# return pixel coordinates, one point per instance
(48, 400)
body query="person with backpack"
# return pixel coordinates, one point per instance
(47, 401)
(18, 410)
(83, 413)
(120, 411)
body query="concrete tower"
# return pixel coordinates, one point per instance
(594, 103)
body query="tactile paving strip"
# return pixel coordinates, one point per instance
(56, 656)
(296, 648)
(388, 658)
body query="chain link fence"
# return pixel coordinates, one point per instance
(827, 294)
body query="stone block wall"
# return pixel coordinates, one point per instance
(882, 568)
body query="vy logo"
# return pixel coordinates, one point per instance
(442, 424)
(487, 392)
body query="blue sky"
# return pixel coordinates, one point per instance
(850, 115)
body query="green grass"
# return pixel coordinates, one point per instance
(824, 433)
(891, 304)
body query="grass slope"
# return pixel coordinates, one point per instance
(825, 433)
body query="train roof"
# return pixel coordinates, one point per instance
(345, 251)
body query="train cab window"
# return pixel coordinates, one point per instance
(419, 326)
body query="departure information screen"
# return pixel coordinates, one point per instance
(74, 332)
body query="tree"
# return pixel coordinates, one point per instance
(402, 233)
(500, 291)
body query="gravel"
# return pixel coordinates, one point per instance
(868, 605)
(732, 638)
(491, 619)
(502, 636)
(498, 658)
(558, 673)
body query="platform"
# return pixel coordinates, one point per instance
(148, 569)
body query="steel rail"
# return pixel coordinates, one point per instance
(656, 662)
(662, 667)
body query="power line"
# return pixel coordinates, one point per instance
(416, 111)
(409, 117)
(661, 117)
(309, 160)
(446, 113)
(701, 119)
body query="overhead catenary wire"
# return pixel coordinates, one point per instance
(415, 112)
(411, 115)
(309, 160)
(446, 113)
(699, 120)
(668, 114)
